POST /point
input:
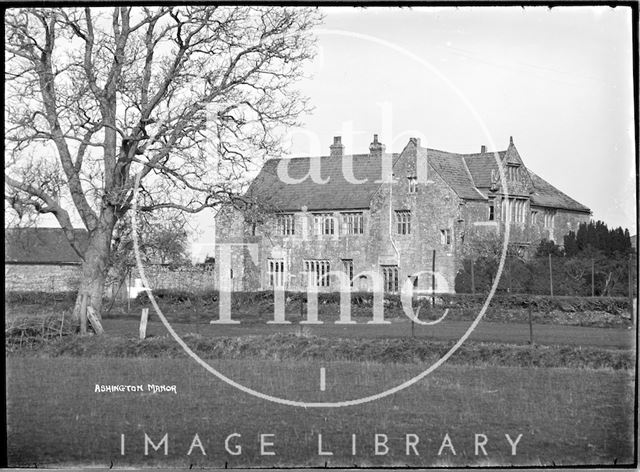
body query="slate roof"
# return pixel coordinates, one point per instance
(453, 170)
(469, 175)
(547, 195)
(544, 194)
(480, 166)
(41, 246)
(337, 193)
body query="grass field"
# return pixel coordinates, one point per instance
(515, 333)
(570, 395)
(55, 417)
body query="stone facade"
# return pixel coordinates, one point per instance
(405, 223)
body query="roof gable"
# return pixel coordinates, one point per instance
(453, 170)
(512, 156)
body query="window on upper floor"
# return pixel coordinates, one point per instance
(403, 221)
(492, 210)
(549, 218)
(513, 172)
(514, 210)
(353, 222)
(286, 224)
(323, 223)
(445, 236)
(413, 184)
(534, 217)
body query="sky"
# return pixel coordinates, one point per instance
(558, 80)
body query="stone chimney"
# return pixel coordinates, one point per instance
(376, 149)
(483, 149)
(337, 148)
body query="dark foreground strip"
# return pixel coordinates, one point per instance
(297, 347)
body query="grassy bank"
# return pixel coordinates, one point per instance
(566, 417)
(257, 307)
(305, 347)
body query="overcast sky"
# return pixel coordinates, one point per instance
(558, 80)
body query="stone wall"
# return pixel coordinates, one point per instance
(41, 277)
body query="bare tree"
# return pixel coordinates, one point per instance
(188, 97)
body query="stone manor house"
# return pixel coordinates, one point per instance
(355, 221)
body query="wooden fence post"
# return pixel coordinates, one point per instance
(433, 278)
(530, 326)
(143, 323)
(550, 276)
(473, 279)
(593, 278)
(83, 314)
(630, 286)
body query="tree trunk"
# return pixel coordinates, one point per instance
(94, 273)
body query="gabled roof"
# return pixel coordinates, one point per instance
(337, 193)
(545, 194)
(41, 246)
(480, 166)
(453, 170)
(468, 175)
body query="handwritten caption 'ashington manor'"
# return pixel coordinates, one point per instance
(135, 388)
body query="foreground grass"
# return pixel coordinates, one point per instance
(568, 417)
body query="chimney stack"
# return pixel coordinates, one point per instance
(337, 148)
(376, 149)
(483, 149)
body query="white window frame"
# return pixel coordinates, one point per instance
(316, 271)
(534, 217)
(549, 219)
(413, 184)
(353, 222)
(276, 273)
(403, 222)
(286, 223)
(390, 278)
(324, 224)
(445, 236)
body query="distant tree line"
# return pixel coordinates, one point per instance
(592, 261)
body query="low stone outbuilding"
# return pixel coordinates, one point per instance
(41, 260)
